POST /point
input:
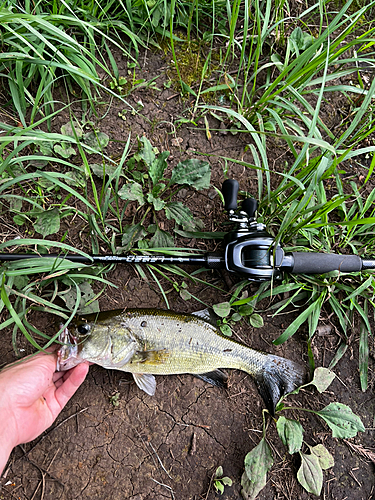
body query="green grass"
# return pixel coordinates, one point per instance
(285, 70)
(263, 68)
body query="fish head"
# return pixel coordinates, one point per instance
(72, 340)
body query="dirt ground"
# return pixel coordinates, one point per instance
(114, 441)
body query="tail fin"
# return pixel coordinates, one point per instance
(279, 377)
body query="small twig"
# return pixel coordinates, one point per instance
(160, 462)
(209, 486)
(165, 486)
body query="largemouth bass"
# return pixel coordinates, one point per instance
(148, 342)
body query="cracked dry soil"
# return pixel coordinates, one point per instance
(113, 441)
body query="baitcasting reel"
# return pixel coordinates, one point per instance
(249, 250)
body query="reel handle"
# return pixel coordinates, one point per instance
(250, 205)
(230, 189)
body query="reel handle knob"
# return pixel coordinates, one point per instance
(250, 205)
(230, 189)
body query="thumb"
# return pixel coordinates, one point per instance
(72, 380)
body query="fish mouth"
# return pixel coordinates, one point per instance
(67, 354)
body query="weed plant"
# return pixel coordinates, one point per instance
(285, 69)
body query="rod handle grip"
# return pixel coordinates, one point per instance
(320, 263)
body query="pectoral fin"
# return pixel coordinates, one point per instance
(146, 382)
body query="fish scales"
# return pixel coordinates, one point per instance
(148, 342)
(190, 344)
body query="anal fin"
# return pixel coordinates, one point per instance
(216, 377)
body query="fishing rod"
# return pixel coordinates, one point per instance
(249, 250)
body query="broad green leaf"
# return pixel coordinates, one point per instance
(310, 474)
(341, 420)
(132, 191)
(182, 215)
(99, 170)
(226, 330)
(19, 220)
(48, 222)
(291, 433)
(158, 167)
(161, 239)
(96, 140)
(256, 320)
(75, 178)
(246, 309)
(323, 377)
(147, 153)
(222, 309)
(131, 235)
(236, 317)
(64, 150)
(72, 129)
(219, 486)
(88, 303)
(193, 172)
(297, 37)
(257, 463)
(185, 294)
(157, 202)
(219, 471)
(326, 460)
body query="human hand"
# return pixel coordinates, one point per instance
(32, 394)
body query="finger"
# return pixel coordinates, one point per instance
(74, 379)
(57, 376)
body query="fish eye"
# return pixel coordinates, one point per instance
(84, 329)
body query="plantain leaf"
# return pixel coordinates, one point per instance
(193, 172)
(310, 474)
(257, 463)
(161, 239)
(158, 167)
(341, 420)
(99, 170)
(96, 140)
(326, 460)
(64, 150)
(226, 330)
(72, 129)
(246, 309)
(147, 153)
(131, 235)
(222, 309)
(256, 320)
(157, 202)
(291, 433)
(323, 377)
(182, 215)
(88, 303)
(48, 222)
(132, 191)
